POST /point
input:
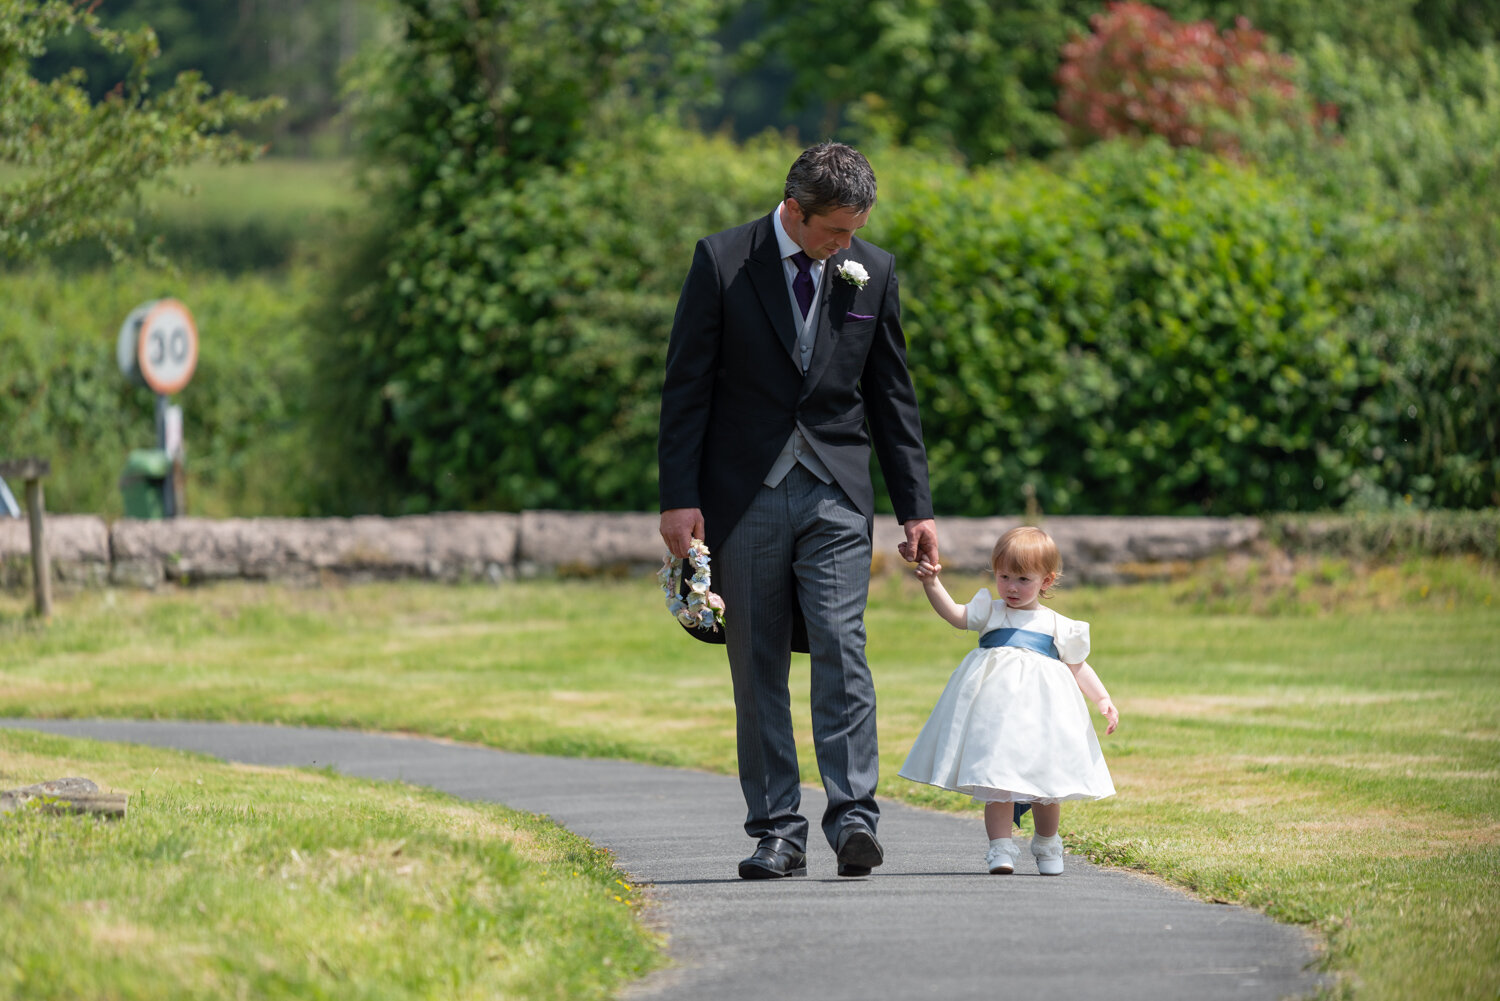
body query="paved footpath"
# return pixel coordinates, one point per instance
(930, 923)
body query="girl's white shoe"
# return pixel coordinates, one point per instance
(1002, 857)
(1049, 855)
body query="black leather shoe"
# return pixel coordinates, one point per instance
(773, 859)
(858, 851)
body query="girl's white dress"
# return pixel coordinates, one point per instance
(1012, 726)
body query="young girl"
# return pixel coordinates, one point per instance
(1011, 726)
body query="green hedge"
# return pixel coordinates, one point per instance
(529, 374)
(1137, 330)
(1420, 137)
(1144, 330)
(62, 395)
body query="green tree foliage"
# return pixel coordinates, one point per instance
(980, 76)
(444, 351)
(972, 75)
(1386, 28)
(1451, 24)
(82, 160)
(1140, 330)
(294, 49)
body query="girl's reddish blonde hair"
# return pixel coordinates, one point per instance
(1030, 551)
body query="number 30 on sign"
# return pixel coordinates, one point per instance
(158, 346)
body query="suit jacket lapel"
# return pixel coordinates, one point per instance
(769, 280)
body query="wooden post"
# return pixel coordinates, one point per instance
(41, 566)
(32, 471)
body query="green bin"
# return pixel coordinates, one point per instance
(145, 471)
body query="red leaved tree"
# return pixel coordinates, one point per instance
(1141, 73)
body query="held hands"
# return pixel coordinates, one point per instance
(1110, 713)
(921, 541)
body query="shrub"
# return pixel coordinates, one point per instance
(450, 358)
(1420, 142)
(1145, 331)
(539, 382)
(1141, 73)
(1428, 433)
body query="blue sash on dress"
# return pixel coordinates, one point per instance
(1026, 639)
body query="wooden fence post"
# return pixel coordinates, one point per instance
(32, 471)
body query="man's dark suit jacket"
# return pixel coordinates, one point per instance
(733, 391)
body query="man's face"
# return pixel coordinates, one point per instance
(822, 236)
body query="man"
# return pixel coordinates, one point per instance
(786, 362)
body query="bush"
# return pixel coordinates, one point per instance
(541, 386)
(451, 358)
(1419, 142)
(1428, 433)
(1140, 73)
(1145, 331)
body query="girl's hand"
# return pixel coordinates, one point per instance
(1110, 713)
(928, 571)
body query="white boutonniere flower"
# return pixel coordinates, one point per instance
(854, 273)
(701, 608)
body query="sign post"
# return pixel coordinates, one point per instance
(158, 348)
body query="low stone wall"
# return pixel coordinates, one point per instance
(87, 552)
(77, 543)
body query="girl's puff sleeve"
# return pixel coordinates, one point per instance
(977, 611)
(1072, 641)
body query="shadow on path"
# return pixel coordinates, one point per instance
(928, 924)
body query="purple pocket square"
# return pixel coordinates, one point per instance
(858, 316)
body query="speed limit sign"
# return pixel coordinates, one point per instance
(158, 345)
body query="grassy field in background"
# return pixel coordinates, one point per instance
(231, 881)
(238, 216)
(1322, 745)
(290, 190)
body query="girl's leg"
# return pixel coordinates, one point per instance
(1047, 817)
(997, 820)
(1003, 853)
(1047, 847)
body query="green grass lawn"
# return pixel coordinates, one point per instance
(1323, 745)
(231, 881)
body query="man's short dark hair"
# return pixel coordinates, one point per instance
(831, 176)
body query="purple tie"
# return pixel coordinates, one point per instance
(802, 285)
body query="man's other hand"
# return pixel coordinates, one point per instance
(679, 527)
